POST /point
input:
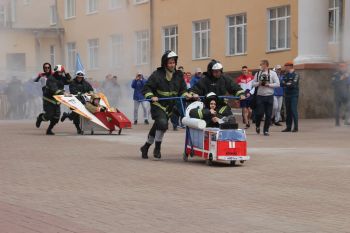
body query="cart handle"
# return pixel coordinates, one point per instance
(181, 97)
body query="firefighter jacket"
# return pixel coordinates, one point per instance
(158, 85)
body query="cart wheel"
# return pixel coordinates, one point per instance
(233, 163)
(242, 161)
(209, 161)
(192, 153)
(120, 131)
(92, 132)
(185, 157)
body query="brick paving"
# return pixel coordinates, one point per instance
(98, 184)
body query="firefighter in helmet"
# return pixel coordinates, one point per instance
(164, 82)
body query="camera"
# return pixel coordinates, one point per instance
(264, 79)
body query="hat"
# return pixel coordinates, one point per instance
(289, 63)
(198, 70)
(80, 73)
(217, 66)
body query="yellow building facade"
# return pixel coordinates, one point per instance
(123, 37)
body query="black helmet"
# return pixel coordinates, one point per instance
(214, 65)
(166, 56)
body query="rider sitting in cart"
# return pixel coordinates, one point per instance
(109, 116)
(212, 113)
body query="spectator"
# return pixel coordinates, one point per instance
(265, 80)
(277, 99)
(290, 83)
(196, 77)
(137, 84)
(340, 82)
(245, 80)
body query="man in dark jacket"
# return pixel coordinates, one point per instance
(340, 82)
(165, 82)
(137, 84)
(215, 81)
(79, 86)
(54, 86)
(290, 82)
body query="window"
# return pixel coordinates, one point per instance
(69, 9)
(333, 20)
(2, 15)
(279, 28)
(140, 1)
(52, 54)
(114, 4)
(201, 39)
(142, 47)
(170, 38)
(93, 46)
(71, 55)
(53, 15)
(117, 50)
(237, 34)
(92, 6)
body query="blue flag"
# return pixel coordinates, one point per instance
(78, 65)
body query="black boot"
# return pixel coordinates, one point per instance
(49, 129)
(64, 116)
(39, 119)
(156, 151)
(78, 128)
(144, 150)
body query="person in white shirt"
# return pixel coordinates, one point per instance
(265, 80)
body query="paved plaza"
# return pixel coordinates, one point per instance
(294, 182)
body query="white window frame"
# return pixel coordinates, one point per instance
(53, 54)
(287, 19)
(235, 27)
(334, 9)
(201, 32)
(115, 4)
(89, 9)
(93, 53)
(175, 37)
(137, 2)
(53, 15)
(117, 42)
(142, 39)
(72, 11)
(71, 56)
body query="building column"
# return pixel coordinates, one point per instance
(312, 32)
(346, 34)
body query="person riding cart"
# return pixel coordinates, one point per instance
(110, 117)
(211, 112)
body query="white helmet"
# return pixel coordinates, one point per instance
(80, 73)
(217, 66)
(59, 68)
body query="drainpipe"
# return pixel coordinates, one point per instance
(151, 26)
